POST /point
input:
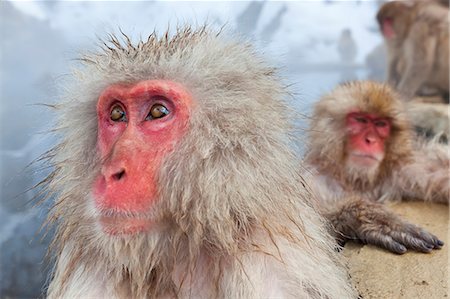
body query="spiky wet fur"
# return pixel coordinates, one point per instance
(233, 214)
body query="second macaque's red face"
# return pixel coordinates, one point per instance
(138, 126)
(367, 134)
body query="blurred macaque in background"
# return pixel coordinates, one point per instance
(348, 51)
(347, 46)
(416, 36)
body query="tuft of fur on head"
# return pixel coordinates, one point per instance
(328, 131)
(232, 174)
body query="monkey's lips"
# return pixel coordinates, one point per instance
(365, 159)
(123, 225)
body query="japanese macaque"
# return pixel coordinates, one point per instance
(416, 36)
(175, 178)
(362, 153)
(347, 47)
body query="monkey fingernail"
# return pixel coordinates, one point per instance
(400, 249)
(424, 247)
(429, 248)
(438, 244)
(395, 247)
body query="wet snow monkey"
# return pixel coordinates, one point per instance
(175, 178)
(363, 153)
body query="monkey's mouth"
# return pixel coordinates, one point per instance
(365, 159)
(123, 225)
(364, 156)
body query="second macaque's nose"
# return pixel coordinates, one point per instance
(371, 139)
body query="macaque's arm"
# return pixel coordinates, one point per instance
(393, 76)
(419, 51)
(372, 223)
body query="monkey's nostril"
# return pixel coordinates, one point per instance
(370, 140)
(119, 175)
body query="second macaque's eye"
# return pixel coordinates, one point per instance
(117, 113)
(157, 111)
(360, 119)
(380, 123)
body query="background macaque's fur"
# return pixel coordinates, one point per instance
(410, 169)
(234, 217)
(431, 120)
(418, 55)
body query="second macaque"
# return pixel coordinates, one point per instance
(416, 36)
(362, 153)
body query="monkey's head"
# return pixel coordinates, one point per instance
(394, 19)
(359, 130)
(175, 141)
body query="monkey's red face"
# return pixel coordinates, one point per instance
(367, 134)
(137, 126)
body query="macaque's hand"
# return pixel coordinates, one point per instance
(372, 223)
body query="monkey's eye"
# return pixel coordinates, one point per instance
(381, 123)
(157, 111)
(117, 113)
(362, 120)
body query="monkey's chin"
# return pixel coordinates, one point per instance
(118, 225)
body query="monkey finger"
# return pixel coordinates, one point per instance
(425, 236)
(412, 242)
(439, 244)
(431, 240)
(384, 241)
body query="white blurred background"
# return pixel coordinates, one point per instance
(316, 44)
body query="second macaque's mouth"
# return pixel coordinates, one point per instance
(366, 156)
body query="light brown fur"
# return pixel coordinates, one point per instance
(235, 219)
(418, 55)
(352, 199)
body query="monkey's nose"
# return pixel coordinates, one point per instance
(371, 139)
(118, 175)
